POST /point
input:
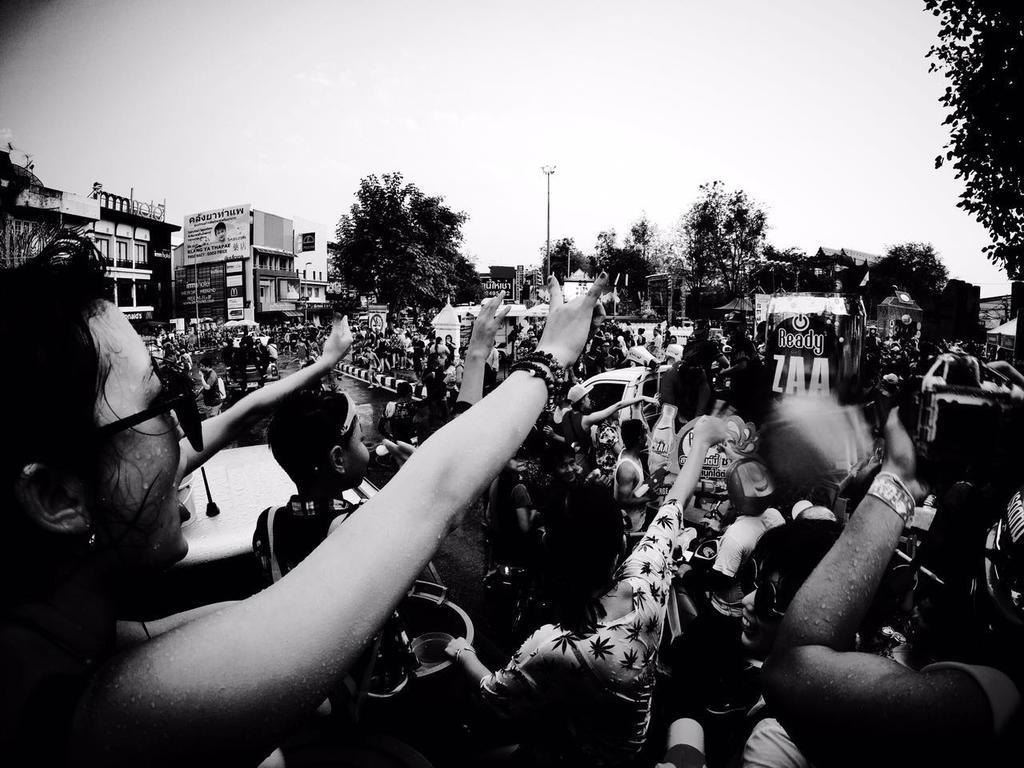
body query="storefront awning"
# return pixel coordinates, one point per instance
(281, 313)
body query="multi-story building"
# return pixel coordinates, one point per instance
(136, 240)
(31, 213)
(132, 235)
(240, 263)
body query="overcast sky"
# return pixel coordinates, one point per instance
(822, 110)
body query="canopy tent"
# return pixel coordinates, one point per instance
(473, 310)
(240, 324)
(736, 305)
(446, 323)
(1003, 335)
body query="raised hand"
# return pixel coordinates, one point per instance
(486, 325)
(711, 430)
(901, 456)
(568, 325)
(338, 343)
(399, 451)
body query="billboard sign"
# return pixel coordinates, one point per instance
(813, 344)
(218, 235)
(308, 241)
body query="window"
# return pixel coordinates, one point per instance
(125, 294)
(122, 255)
(103, 246)
(606, 393)
(650, 389)
(140, 255)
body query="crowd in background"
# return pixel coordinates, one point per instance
(749, 604)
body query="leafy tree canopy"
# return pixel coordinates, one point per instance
(564, 252)
(914, 267)
(403, 245)
(723, 233)
(981, 53)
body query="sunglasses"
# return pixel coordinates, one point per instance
(351, 418)
(176, 394)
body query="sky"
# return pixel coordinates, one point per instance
(823, 111)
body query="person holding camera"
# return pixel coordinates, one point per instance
(844, 708)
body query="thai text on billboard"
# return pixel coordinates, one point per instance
(218, 234)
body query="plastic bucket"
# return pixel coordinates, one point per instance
(428, 649)
(428, 614)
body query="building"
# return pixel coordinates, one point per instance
(310, 248)
(31, 213)
(899, 316)
(576, 284)
(135, 238)
(131, 234)
(240, 263)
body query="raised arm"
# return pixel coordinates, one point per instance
(846, 708)
(221, 430)
(597, 417)
(226, 687)
(485, 328)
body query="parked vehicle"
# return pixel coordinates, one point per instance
(611, 386)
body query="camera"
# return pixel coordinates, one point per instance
(962, 411)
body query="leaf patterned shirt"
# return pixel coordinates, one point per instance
(591, 696)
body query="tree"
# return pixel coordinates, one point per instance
(563, 251)
(627, 265)
(402, 245)
(981, 53)
(724, 233)
(21, 241)
(913, 267)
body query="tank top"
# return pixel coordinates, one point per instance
(635, 515)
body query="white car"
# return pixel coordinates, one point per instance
(611, 386)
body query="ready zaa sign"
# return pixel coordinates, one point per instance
(801, 354)
(813, 345)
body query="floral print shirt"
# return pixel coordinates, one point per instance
(591, 695)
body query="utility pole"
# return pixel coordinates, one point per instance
(547, 170)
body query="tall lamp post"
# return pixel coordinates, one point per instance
(547, 170)
(304, 298)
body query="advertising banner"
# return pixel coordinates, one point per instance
(813, 345)
(218, 235)
(711, 495)
(378, 317)
(761, 301)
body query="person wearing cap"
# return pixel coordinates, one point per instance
(577, 427)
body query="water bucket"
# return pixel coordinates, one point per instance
(428, 649)
(432, 621)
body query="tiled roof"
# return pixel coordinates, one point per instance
(859, 257)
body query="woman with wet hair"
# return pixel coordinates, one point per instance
(98, 438)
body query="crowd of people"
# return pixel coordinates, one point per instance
(816, 622)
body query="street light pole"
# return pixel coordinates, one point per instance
(305, 304)
(547, 171)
